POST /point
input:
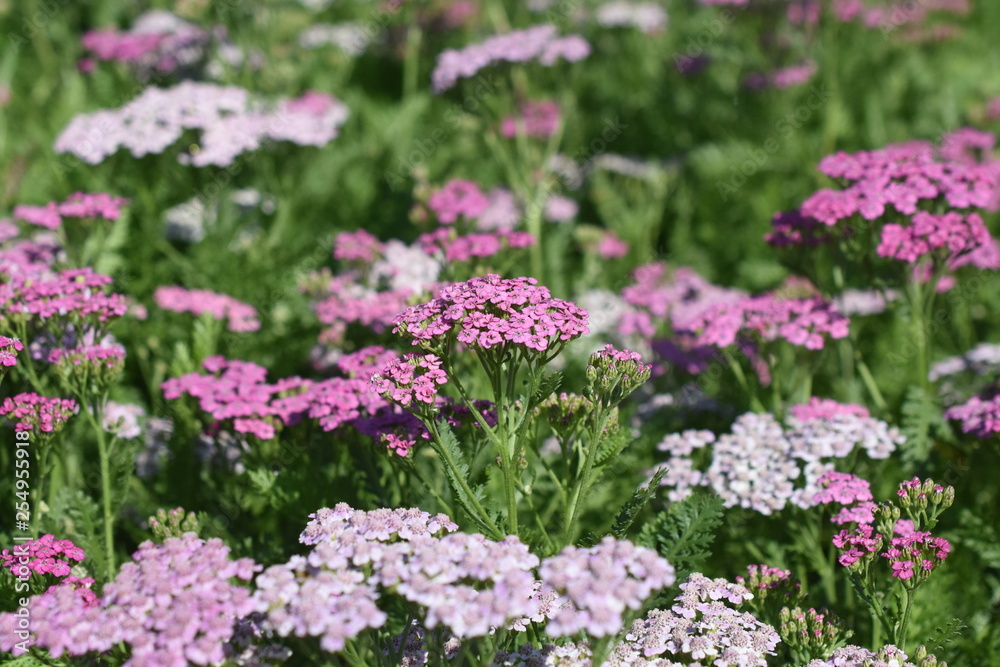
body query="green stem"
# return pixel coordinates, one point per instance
(95, 417)
(741, 377)
(474, 507)
(904, 621)
(583, 478)
(411, 62)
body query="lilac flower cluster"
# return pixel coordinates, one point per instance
(173, 604)
(599, 583)
(241, 317)
(493, 312)
(758, 464)
(887, 656)
(537, 43)
(31, 411)
(700, 628)
(122, 419)
(979, 416)
(78, 205)
(230, 120)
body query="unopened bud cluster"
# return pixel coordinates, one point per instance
(173, 523)
(614, 374)
(812, 632)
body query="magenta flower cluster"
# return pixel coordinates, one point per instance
(927, 234)
(240, 317)
(78, 205)
(70, 296)
(30, 411)
(916, 553)
(445, 244)
(359, 246)
(45, 555)
(492, 312)
(9, 347)
(538, 43)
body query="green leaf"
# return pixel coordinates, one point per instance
(460, 474)
(640, 498)
(921, 416)
(547, 385)
(685, 532)
(75, 516)
(944, 635)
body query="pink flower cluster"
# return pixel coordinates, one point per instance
(901, 176)
(31, 411)
(237, 391)
(842, 488)
(344, 300)
(9, 347)
(521, 46)
(458, 198)
(784, 77)
(955, 234)
(72, 296)
(359, 246)
(493, 312)
(229, 119)
(826, 408)
(445, 243)
(538, 118)
(173, 604)
(803, 322)
(412, 377)
(78, 205)
(241, 317)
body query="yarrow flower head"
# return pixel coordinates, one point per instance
(88, 206)
(31, 411)
(411, 379)
(458, 198)
(539, 119)
(538, 42)
(599, 583)
(704, 624)
(9, 347)
(173, 604)
(240, 317)
(494, 314)
(73, 297)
